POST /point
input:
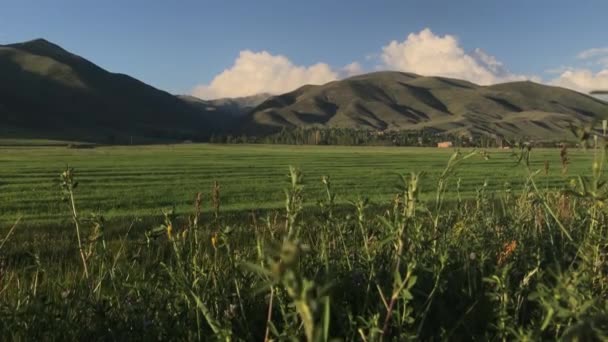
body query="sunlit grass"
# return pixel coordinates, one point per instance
(462, 246)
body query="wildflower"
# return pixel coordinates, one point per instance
(170, 231)
(214, 240)
(215, 197)
(507, 250)
(459, 227)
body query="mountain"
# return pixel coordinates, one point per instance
(48, 92)
(235, 106)
(396, 100)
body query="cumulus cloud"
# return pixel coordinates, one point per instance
(583, 80)
(424, 53)
(262, 72)
(429, 54)
(352, 69)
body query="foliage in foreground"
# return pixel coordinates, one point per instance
(528, 264)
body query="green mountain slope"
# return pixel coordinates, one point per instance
(48, 92)
(395, 100)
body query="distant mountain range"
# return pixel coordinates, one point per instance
(404, 101)
(236, 106)
(48, 92)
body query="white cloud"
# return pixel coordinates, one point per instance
(262, 72)
(595, 56)
(593, 53)
(583, 80)
(352, 69)
(423, 53)
(428, 54)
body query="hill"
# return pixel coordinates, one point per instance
(235, 106)
(396, 100)
(47, 92)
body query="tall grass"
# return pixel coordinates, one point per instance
(525, 264)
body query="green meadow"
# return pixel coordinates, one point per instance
(397, 244)
(140, 181)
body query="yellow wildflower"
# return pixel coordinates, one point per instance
(214, 240)
(170, 231)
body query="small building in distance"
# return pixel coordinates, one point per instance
(445, 144)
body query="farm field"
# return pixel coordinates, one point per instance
(490, 261)
(140, 181)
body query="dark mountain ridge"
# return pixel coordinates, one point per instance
(48, 92)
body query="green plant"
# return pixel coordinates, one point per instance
(68, 185)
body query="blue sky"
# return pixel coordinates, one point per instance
(181, 45)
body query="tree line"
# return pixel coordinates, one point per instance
(359, 137)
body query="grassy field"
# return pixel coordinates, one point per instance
(6, 142)
(140, 181)
(527, 264)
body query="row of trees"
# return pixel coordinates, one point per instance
(349, 136)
